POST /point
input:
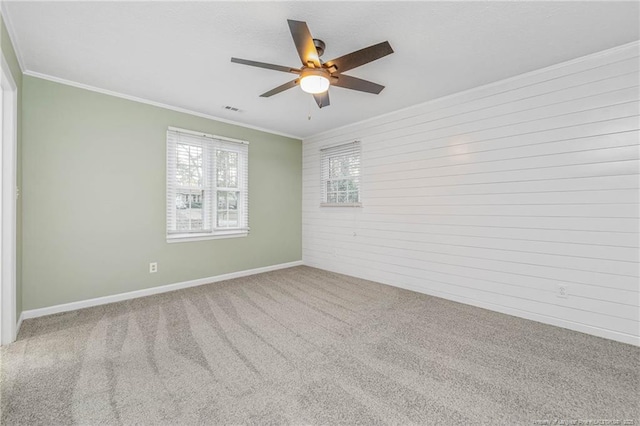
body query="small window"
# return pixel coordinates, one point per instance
(341, 175)
(207, 186)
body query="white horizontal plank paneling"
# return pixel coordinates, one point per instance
(425, 251)
(630, 196)
(613, 104)
(396, 230)
(498, 195)
(417, 242)
(535, 222)
(615, 167)
(620, 210)
(466, 146)
(517, 269)
(475, 154)
(575, 72)
(540, 185)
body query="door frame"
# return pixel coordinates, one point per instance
(8, 205)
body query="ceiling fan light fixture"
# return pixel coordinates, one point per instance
(316, 76)
(314, 81)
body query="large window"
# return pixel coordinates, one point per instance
(341, 175)
(207, 179)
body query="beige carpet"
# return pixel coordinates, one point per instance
(305, 346)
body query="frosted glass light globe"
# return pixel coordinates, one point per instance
(314, 84)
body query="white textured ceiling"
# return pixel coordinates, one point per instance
(178, 53)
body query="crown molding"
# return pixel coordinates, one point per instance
(26, 71)
(154, 103)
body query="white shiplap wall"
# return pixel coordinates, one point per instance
(498, 195)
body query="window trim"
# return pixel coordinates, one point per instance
(340, 204)
(323, 182)
(215, 233)
(207, 135)
(183, 238)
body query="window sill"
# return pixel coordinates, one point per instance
(183, 238)
(340, 204)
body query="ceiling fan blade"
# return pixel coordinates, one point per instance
(353, 83)
(265, 65)
(282, 88)
(304, 43)
(360, 57)
(322, 99)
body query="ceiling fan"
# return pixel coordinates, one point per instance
(315, 76)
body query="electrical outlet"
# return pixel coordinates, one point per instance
(563, 291)
(153, 267)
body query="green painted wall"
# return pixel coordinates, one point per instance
(94, 198)
(9, 53)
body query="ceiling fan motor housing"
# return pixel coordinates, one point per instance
(319, 44)
(320, 72)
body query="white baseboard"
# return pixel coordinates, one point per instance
(66, 307)
(596, 331)
(20, 319)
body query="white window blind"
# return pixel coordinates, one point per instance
(207, 186)
(340, 169)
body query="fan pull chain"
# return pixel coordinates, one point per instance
(310, 107)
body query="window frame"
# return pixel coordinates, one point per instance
(211, 145)
(326, 154)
